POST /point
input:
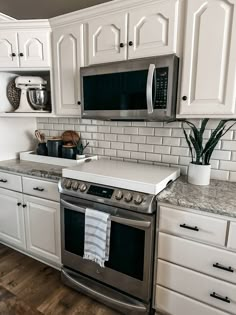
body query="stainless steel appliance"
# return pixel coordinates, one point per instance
(126, 281)
(142, 89)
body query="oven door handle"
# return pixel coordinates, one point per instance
(149, 94)
(121, 220)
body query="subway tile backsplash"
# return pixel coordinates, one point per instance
(146, 142)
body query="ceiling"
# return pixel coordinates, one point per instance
(43, 9)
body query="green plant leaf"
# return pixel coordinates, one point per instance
(189, 143)
(197, 149)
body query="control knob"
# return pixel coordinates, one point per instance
(83, 187)
(138, 199)
(119, 195)
(75, 185)
(128, 197)
(68, 183)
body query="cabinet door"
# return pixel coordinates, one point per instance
(153, 29)
(67, 57)
(107, 38)
(11, 218)
(42, 228)
(8, 49)
(209, 63)
(34, 49)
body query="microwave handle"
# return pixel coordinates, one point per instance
(149, 95)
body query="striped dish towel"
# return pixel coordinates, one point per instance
(97, 236)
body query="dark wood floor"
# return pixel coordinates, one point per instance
(28, 287)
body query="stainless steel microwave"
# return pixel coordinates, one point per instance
(141, 89)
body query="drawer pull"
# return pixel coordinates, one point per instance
(219, 297)
(38, 189)
(3, 180)
(193, 228)
(217, 265)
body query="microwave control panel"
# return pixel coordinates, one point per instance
(161, 88)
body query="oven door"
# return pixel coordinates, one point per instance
(130, 264)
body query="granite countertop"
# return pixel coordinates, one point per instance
(47, 171)
(218, 198)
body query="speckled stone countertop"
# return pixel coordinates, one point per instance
(218, 198)
(46, 171)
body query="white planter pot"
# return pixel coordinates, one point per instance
(199, 174)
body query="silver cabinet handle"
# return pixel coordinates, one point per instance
(121, 220)
(151, 72)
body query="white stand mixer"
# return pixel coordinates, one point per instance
(25, 83)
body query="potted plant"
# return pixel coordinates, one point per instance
(200, 168)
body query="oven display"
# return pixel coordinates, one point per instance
(100, 191)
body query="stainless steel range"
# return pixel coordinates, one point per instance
(126, 281)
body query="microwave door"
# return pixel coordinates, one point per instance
(149, 89)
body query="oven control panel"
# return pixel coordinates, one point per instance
(115, 196)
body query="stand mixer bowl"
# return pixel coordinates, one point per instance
(38, 98)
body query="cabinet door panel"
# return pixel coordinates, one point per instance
(42, 228)
(153, 29)
(209, 64)
(66, 49)
(11, 218)
(104, 38)
(35, 49)
(8, 46)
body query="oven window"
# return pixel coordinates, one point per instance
(126, 246)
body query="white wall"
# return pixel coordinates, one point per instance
(16, 135)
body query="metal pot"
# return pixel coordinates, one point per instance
(38, 98)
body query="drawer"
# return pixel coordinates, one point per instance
(191, 225)
(197, 286)
(10, 181)
(232, 236)
(176, 304)
(212, 261)
(41, 188)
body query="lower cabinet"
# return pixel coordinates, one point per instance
(42, 226)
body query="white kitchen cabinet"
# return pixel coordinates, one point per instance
(209, 65)
(232, 236)
(153, 29)
(67, 60)
(42, 223)
(12, 228)
(8, 49)
(107, 38)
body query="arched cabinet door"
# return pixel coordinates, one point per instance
(208, 86)
(67, 60)
(34, 49)
(107, 39)
(153, 29)
(8, 49)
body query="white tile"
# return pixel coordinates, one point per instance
(146, 131)
(56, 127)
(42, 120)
(117, 129)
(138, 139)
(138, 155)
(48, 126)
(124, 123)
(154, 140)
(80, 128)
(131, 146)
(184, 160)
(104, 144)
(97, 122)
(65, 120)
(86, 121)
(221, 155)
(87, 135)
(139, 124)
(220, 175)
(178, 133)
(123, 154)
(69, 127)
(232, 176)
(171, 141)
(104, 129)
(98, 136)
(55, 120)
(229, 145)
(98, 151)
(73, 121)
(124, 138)
(174, 124)
(110, 123)
(117, 145)
(40, 126)
(155, 124)
(228, 166)
(131, 131)
(146, 148)
(110, 137)
(92, 128)
(228, 136)
(162, 149)
(179, 151)
(214, 164)
(170, 159)
(165, 132)
(153, 157)
(110, 152)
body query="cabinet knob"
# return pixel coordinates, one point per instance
(21, 54)
(121, 45)
(18, 204)
(24, 205)
(79, 103)
(184, 98)
(131, 43)
(13, 55)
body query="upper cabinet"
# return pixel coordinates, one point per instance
(27, 47)
(66, 66)
(209, 64)
(144, 31)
